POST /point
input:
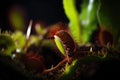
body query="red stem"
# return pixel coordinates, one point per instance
(54, 68)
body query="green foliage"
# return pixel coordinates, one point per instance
(40, 30)
(88, 18)
(73, 16)
(109, 16)
(70, 69)
(19, 39)
(60, 45)
(7, 45)
(32, 40)
(82, 28)
(64, 42)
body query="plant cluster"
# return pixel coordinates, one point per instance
(91, 36)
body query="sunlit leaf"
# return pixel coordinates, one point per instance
(72, 14)
(59, 44)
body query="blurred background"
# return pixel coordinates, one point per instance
(21, 11)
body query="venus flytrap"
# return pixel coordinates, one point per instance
(108, 17)
(68, 41)
(65, 43)
(19, 39)
(81, 24)
(67, 47)
(7, 45)
(69, 71)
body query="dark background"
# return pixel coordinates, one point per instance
(48, 11)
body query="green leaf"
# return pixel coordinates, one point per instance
(109, 16)
(59, 44)
(72, 14)
(70, 69)
(7, 45)
(19, 39)
(17, 18)
(33, 40)
(39, 29)
(88, 18)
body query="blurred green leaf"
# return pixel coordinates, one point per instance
(17, 18)
(88, 18)
(39, 29)
(73, 16)
(33, 40)
(109, 16)
(19, 39)
(82, 25)
(7, 45)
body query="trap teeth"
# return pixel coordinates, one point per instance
(66, 41)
